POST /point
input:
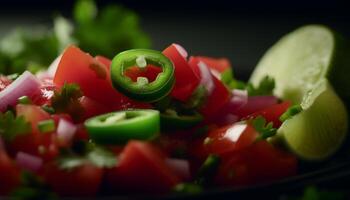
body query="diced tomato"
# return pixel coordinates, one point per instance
(44, 95)
(93, 78)
(81, 181)
(218, 64)
(81, 133)
(107, 62)
(9, 174)
(4, 82)
(36, 143)
(218, 97)
(261, 162)
(225, 140)
(91, 107)
(272, 113)
(142, 168)
(150, 72)
(33, 114)
(186, 81)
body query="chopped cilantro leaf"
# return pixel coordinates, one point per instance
(265, 87)
(67, 100)
(11, 126)
(188, 188)
(96, 155)
(291, 112)
(265, 130)
(208, 170)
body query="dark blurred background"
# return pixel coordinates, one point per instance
(240, 30)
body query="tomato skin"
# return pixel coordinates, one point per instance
(186, 81)
(218, 141)
(272, 113)
(91, 107)
(33, 141)
(260, 163)
(81, 181)
(141, 168)
(219, 96)
(9, 174)
(218, 64)
(106, 61)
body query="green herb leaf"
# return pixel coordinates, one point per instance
(70, 162)
(293, 110)
(67, 100)
(208, 169)
(265, 87)
(84, 11)
(11, 126)
(96, 155)
(265, 130)
(102, 158)
(113, 29)
(32, 187)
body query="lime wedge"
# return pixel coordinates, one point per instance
(310, 66)
(303, 57)
(320, 129)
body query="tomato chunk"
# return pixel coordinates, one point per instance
(9, 174)
(272, 113)
(259, 163)
(81, 181)
(142, 168)
(218, 97)
(186, 81)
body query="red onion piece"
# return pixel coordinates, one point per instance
(227, 119)
(180, 167)
(181, 50)
(239, 99)
(24, 85)
(66, 130)
(206, 77)
(256, 103)
(28, 162)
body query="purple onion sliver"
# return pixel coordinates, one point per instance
(180, 167)
(239, 98)
(24, 85)
(66, 130)
(28, 162)
(206, 77)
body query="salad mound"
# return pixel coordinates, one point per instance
(144, 122)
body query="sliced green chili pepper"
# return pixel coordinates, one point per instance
(171, 120)
(142, 90)
(119, 127)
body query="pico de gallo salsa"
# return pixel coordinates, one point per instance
(144, 122)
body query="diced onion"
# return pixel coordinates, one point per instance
(181, 50)
(206, 77)
(24, 85)
(28, 162)
(180, 167)
(66, 130)
(239, 98)
(256, 103)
